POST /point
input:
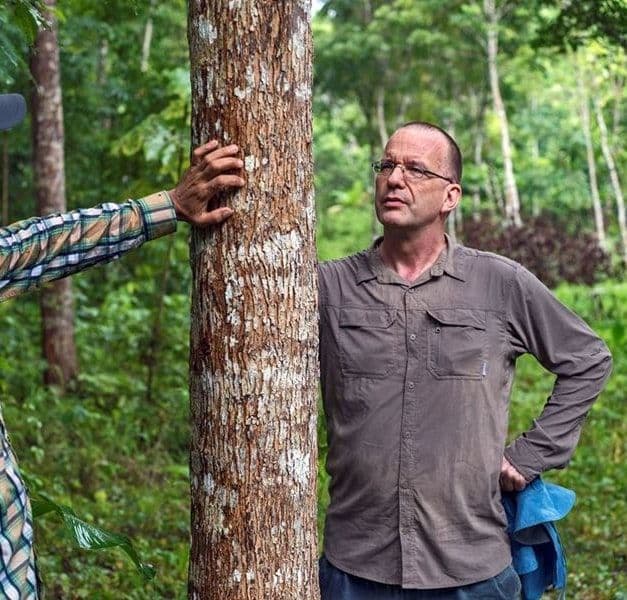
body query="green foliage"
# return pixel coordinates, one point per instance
(119, 459)
(576, 22)
(85, 535)
(28, 15)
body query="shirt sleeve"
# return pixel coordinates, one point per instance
(42, 249)
(566, 346)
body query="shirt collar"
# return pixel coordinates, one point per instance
(371, 266)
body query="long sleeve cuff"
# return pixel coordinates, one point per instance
(159, 215)
(524, 459)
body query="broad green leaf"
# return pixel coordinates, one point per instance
(87, 536)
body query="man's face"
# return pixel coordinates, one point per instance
(401, 203)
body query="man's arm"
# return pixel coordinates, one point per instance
(42, 249)
(566, 346)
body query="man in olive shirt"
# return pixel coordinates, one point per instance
(419, 339)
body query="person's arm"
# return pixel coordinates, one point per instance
(566, 346)
(42, 249)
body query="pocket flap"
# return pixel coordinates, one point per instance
(360, 317)
(460, 317)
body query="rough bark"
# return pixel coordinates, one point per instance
(253, 363)
(611, 167)
(584, 112)
(512, 201)
(57, 308)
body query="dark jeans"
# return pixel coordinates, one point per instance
(338, 585)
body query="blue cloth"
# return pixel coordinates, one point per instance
(537, 553)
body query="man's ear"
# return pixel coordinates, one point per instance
(452, 197)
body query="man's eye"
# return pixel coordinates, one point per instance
(387, 166)
(414, 170)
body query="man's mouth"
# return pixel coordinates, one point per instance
(393, 201)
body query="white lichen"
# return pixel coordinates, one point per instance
(207, 30)
(250, 163)
(208, 484)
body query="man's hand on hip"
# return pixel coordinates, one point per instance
(212, 171)
(511, 480)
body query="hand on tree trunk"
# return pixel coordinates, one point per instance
(213, 170)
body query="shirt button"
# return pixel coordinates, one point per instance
(412, 337)
(407, 435)
(410, 385)
(437, 330)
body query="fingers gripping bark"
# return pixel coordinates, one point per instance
(214, 169)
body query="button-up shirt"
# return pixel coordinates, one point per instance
(416, 381)
(32, 252)
(42, 249)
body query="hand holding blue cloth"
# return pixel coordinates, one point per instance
(537, 553)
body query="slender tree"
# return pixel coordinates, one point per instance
(584, 112)
(611, 167)
(57, 307)
(493, 14)
(253, 363)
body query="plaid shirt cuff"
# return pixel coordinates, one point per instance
(159, 215)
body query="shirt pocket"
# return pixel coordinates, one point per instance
(368, 342)
(457, 343)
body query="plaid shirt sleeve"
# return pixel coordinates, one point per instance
(42, 249)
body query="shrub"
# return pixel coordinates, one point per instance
(544, 247)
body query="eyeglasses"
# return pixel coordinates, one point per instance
(410, 172)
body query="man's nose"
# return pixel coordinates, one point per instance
(396, 178)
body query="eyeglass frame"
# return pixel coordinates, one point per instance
(377, 168)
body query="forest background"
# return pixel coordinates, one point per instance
(533, 93)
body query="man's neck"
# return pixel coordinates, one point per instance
(411, 254)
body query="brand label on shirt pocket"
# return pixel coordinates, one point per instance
(457, 343)
(368, 342)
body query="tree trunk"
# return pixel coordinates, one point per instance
(618, 89)
(611, 166)
(147, 39)
(584, 111)
(512, 202)
(383, 133)
(478, 157)
(494, 193)
(57, 308)
(254, 344)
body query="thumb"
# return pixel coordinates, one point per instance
(213, 217)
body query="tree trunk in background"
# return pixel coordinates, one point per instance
(494, 193)
(383, 133)
(254, 331)
(478, 158)
(454, 216)
(618, 89)
(611, 166)
(479, 105)
(512, 202)
(57, 307)
(584, 112)
(147, 39)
